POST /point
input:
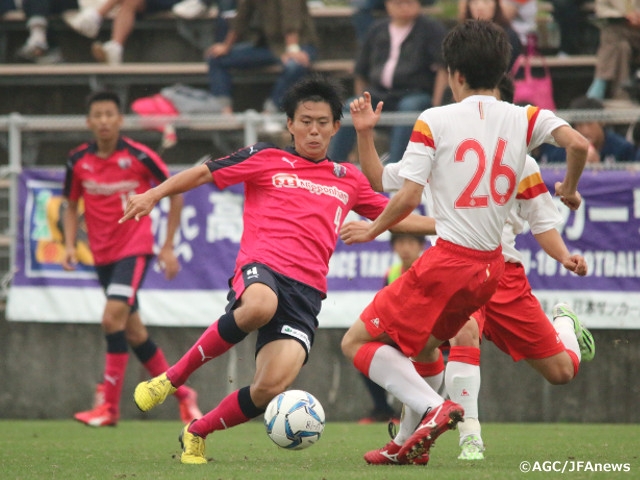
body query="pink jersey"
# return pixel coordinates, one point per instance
(474, 166)
(105, 185)
(294, 208)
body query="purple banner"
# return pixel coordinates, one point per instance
(606, 230)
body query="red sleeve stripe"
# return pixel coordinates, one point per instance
(531, 187)
(422, 134)
(532, 115)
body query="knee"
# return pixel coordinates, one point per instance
(262, 393)
(561, 375)
(349, 346)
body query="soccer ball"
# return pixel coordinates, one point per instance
(294, 420)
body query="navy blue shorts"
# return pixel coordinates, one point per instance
(298, 307)
(121, 280)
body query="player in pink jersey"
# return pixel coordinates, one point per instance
(472, 153)
(103, 173)
(515, 320)
(295, 202)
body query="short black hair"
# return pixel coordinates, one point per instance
(314, 87)
(103, 96)
(418, 238)
(507, 88)
(479, 50)
(585, 103)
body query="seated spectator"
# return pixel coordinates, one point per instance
(87, 22)
(522, 15)
(40, 45)
(400, 63)
(190, 9)
(264, 32)
(518, 15)
(607, 146)
(492, 10)
(619, 42)
(577, 33)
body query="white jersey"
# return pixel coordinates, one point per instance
(472, 154)
(533, 204)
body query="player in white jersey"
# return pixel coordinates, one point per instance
(514, 321)
(472, 154)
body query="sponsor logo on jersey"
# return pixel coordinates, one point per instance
(86, 166)
(95, 188)
(300, 335)
(375, 322)
(290, 162)
(288, 180)
(339, 170)
(251, 273)
(124, 162)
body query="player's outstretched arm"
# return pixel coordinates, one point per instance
(577, 148)
(399, 207)
(364, 120)
(552, 243)
(413, 224)
(140, 205)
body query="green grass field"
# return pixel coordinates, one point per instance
(141, 450)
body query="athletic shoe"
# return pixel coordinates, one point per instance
(192, 447)
(109, 52)
(86, 22)
(471, 448)
(189, 9)
(98, 396)
(585, 339)
(388, 455)
(153, 392)
(435, 422)
(38, 52)
(189, 410)
(101, 416)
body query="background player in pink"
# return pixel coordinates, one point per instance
(295, 202)
(472, 153)
(104, 172)
(515, 320)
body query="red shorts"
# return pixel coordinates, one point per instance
(515, 321)
(435, 296)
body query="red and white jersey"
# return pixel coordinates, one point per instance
(105, 185)
(533, 204)
(294, 208)
(472, 153)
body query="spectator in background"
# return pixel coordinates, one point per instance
(87, 22)
(575, 28)
(607, 146)
(408, 248)
(190, 9)
(619, 43)
(264, 32)
(400, 63)
(40, 45)
(492, 10)
(518, 15)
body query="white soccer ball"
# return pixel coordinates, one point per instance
(294, 420)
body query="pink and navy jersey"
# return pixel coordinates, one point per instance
(105, 185)
(294, 208)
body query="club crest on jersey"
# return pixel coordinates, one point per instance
(124, 162)
(339, 170)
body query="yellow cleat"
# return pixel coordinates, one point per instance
(192, 447)
(153, 392)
